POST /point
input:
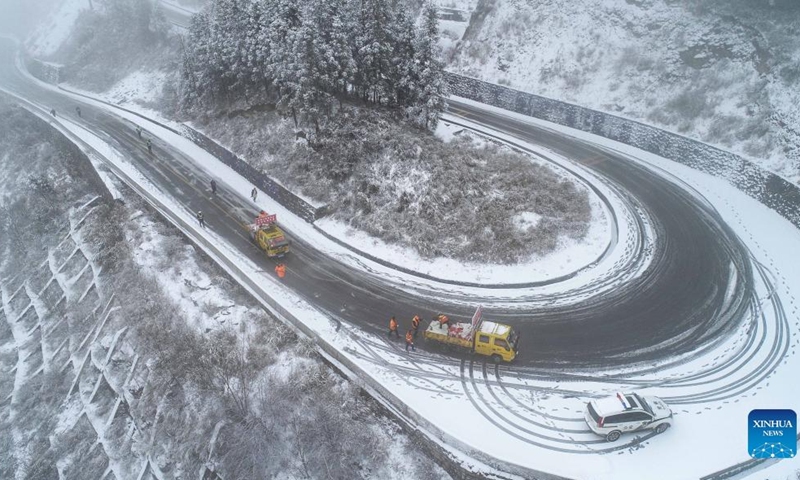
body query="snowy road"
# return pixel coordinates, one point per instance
(656, 330)
(673, 307)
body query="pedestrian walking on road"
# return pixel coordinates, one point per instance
(280, 270)
(78, 111)
(410, 341)
(200, 219)
(393, 328)
(139, 131)
(149, 146)
(213, 187)
(254, 194)
(415, 325)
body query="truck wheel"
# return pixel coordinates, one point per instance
(496, 359)
(613, 436)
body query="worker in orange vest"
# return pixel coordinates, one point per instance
(280, 269)
(393, 327)
(443, 320)
(415, 325)
(410, 341)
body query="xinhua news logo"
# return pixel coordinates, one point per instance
(772, 433)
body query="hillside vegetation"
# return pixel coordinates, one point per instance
(724, 72)
(260, 74)
(122, 350)
(115, 39)
(461, 199)
(309, 57)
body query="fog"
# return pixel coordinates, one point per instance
(18, 17)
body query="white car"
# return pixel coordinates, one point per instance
(627, 412)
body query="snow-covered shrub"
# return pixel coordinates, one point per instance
(683, 66)
(443, 199)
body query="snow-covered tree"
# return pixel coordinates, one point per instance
(431, 90)
(310, 55)
(284, 23)
(335, 21)
(257, 46)
(405, 74)
(199, 74)
(373, 51)
(322, 66)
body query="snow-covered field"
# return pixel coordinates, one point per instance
(724, 72)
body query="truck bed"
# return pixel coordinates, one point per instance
(458, 334)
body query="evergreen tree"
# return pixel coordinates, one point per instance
(431, 89)
(305, 94)
(373, 51)
(284, 23)
(313, 53)
(199, 77)
(405, 75)
(257, 46)
(228, 39)
(335, 21)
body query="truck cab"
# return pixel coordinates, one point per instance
(272, 240)
(269, 237)
(497, 341)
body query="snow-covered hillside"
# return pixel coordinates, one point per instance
(113, 334)
(726, 73)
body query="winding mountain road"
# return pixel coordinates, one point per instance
(696, 287)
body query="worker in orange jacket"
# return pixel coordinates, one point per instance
(443, 320)
(410, 341)
(280, 269)
(393, 327)
(415, 325)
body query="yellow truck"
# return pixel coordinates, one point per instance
(269, 237)
(495, 340)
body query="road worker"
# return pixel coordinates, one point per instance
(410, 341)
(280, 269)
(444, 322)
(415, 325)
(393, 328)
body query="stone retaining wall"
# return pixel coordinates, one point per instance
(768, 188)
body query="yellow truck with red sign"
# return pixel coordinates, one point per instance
(269, 237)
(497, 341)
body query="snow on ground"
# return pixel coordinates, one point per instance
(437, 392)
(441, 396)
(206, 305)
(53, 32)
(139, 86)
(721, 72)
(573, 255)
(191, 7)
(454, 18)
